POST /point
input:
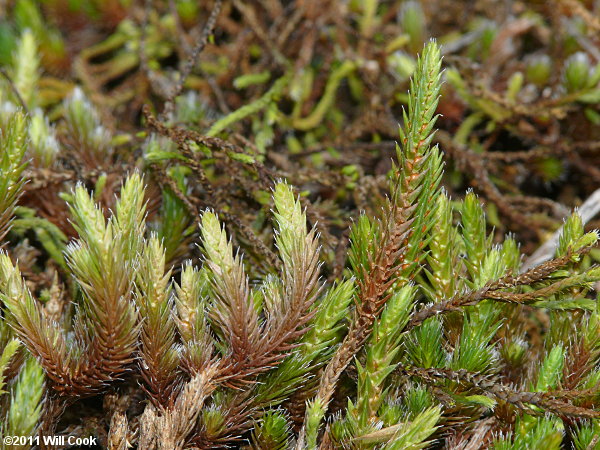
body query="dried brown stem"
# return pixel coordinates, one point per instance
(489, 291)
(472, 163)
(549, 401)
(192, 60)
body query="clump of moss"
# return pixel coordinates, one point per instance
(226, 257)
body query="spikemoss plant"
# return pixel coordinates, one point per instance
(425, 342)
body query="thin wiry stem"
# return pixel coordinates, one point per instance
(549, 401)
(489, 291)
(192, 60)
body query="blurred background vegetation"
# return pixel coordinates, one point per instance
(306, 90)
